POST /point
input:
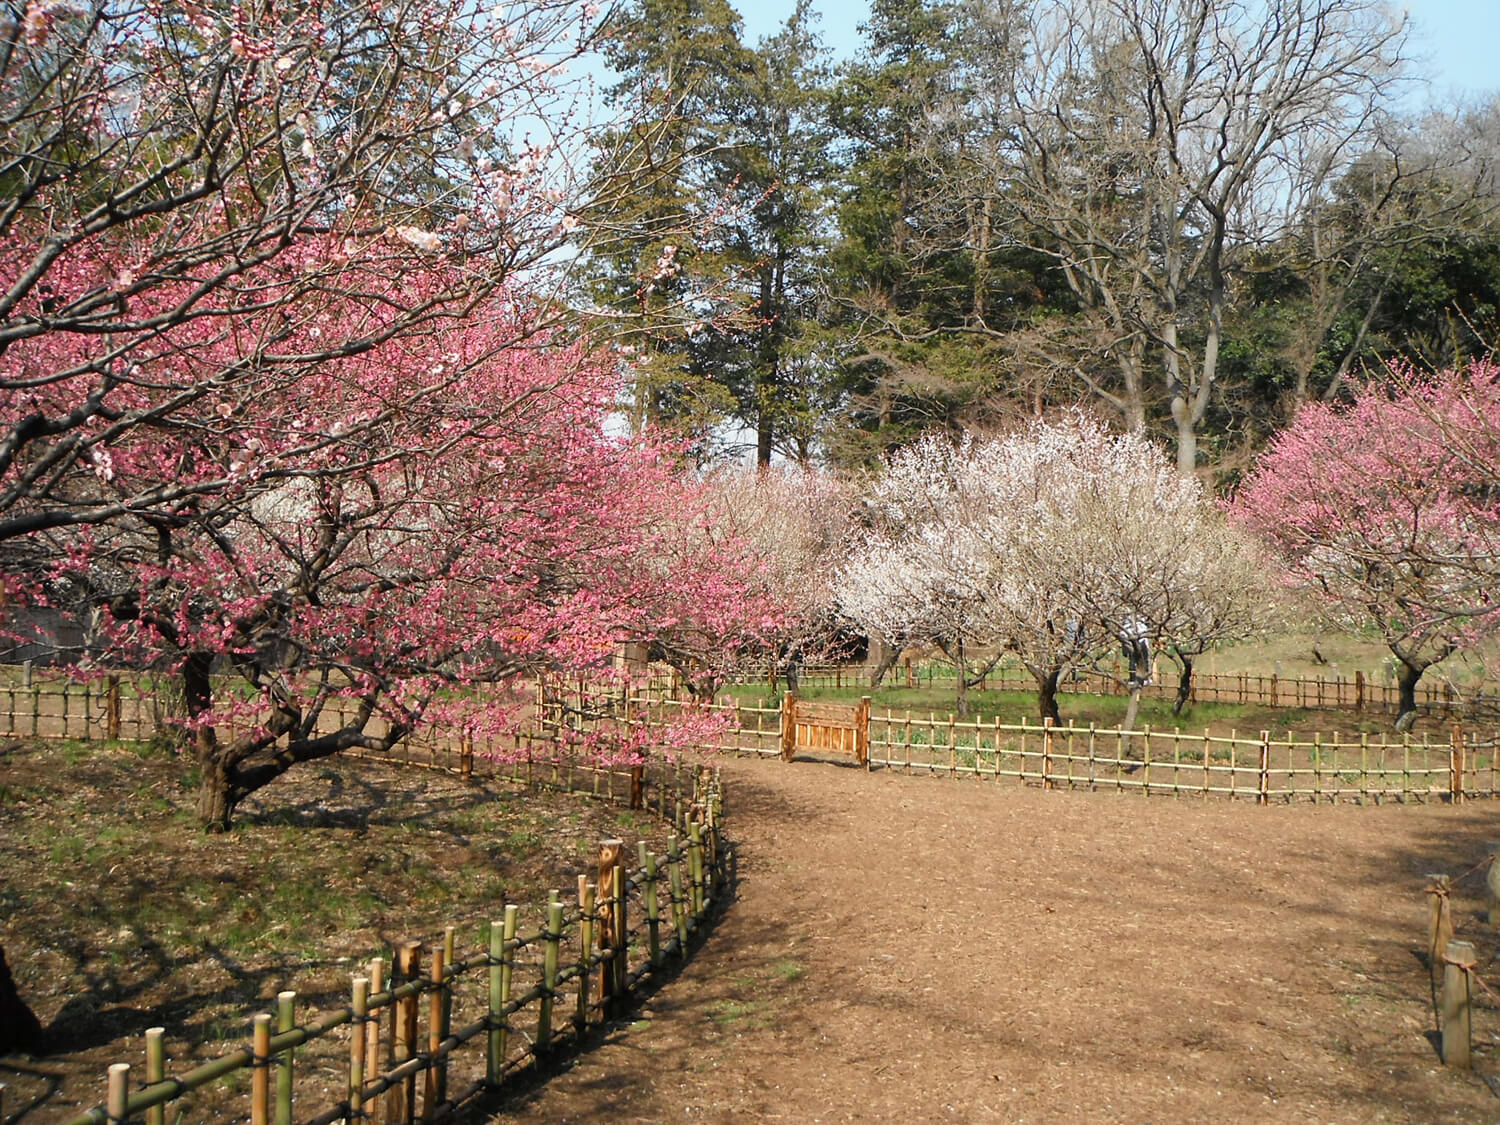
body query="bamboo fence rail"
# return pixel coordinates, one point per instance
(413, 1043)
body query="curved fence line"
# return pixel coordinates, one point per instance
(417, 1041)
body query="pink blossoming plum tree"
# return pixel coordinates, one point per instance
(440, 531)
(1387, 511)
(282, 387)
(187, 185)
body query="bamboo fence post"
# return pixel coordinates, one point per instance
(1456, 765)
(156, 1071)
(112, 707)
(611, 854)
(1207, 747)
(401, 1101)
(695, 866)
(1440, 918)
(679, 903)
(1359, 690)
(260, 1072)
(1458, 960)
(551, 951)
(372, 1040)
(653, 904)
(1263, 788)
(862, 733)
(620, 966)
(359, 1004)
(119, 1092)
(1047, 753)
(435, 1075)
(502, 955)
(286, 1019)
(586, 907)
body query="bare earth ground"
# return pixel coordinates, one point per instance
(905, 948)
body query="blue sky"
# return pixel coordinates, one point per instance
(1457, 42)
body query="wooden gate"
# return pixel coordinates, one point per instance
(827, 728)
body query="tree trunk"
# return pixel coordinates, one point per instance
(1131, 710)
(216, 799)
(20, 1030)
(1406, 682)
(1184, 684)
(882, 661)
(960, 661)
(1046, 694)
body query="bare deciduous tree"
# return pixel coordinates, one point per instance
(1146, 144)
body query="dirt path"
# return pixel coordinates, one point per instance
(911, 949)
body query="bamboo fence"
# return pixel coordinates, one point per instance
(1357, 693)
(1260, 766)
(415, 1041)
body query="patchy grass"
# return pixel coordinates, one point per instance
(117, 913)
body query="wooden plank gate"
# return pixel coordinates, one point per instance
(838, 728)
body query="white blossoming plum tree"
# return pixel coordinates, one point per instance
(1057, 543)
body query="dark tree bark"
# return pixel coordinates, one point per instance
(20, 1030)
(230, 771)
(1046, 694)
(1184, 683)
(1406, 683)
